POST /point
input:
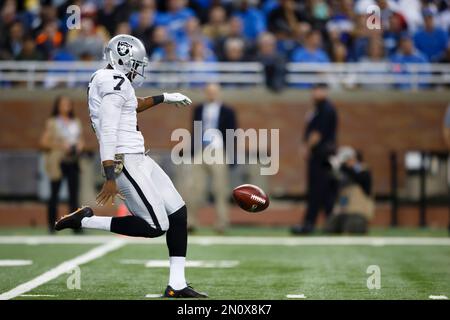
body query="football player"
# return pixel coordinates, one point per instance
(156, 206)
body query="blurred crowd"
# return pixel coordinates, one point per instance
(270, 31)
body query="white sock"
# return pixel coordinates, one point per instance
(95, 222)
(176, 277)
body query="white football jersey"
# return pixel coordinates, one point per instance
(120, 114)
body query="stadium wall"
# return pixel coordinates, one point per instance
(375, 123)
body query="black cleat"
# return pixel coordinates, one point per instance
(187, 292)
(301, 230)
(73, 220)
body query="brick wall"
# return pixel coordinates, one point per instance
(373, 122)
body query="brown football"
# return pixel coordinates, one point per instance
(251, 198)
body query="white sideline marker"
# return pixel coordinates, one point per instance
(15, 263)
(439, 297)
(64, 267)
(296, 296)
(153, 295)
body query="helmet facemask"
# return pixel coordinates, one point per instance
(136, 74)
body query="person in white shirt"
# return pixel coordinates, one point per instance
(213, 114)
(156, 206)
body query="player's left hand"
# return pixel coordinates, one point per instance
(109, 191)
(177, 99)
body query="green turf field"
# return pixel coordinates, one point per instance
(256, 264)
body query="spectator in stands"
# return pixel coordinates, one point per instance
(8, 16)
(386, 10)
(283, 20)
(355, 205)
(431, 40)
(48, 14)
(191, 32)
(361, 37)
(49, 39)
(108, 16)
(29, 52)
(375, 53)
(319, 12)
(159, 38)
(234, 50)
(62, 141)
(391, 36)
(252, 18)
(145, 26)
(217, 26)
(213, 114)
(89, 40)
(175, 18)
(274, 63)
(312, 50)
(12, 44)
(167, 53)
(341, 23)
(199, 53)
(339, 52)
(411, 10)
(150, 16)
(319, 144)
(122, 28)
(407, 54)
(235, 31)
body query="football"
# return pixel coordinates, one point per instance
(251, 198)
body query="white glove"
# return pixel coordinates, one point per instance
(177, 99)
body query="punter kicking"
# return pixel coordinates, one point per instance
(147, 191)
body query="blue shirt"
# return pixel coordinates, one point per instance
(253, 22)
(416, 57)
(431, 44)
(303, 55)
(174, 21)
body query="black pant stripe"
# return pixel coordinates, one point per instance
(143, 198)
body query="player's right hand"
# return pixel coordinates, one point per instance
(109, 191)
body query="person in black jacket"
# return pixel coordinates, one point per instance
(213, 114)
(319, 145)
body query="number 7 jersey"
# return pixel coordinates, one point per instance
(119, 114)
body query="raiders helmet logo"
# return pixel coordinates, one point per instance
(123, 48)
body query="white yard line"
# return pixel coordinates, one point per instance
(438, 297)
(189, 263)
(64, 267)
(15, 263)
(232, 240)
(37, 295)
(154, 295)
(296, 296)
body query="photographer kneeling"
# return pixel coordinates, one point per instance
(355, 205)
